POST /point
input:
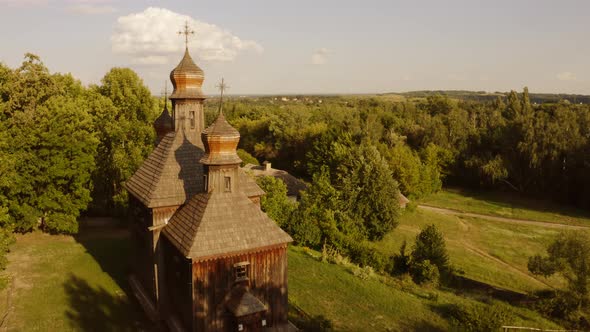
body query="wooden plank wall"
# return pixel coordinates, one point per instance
(213, 280)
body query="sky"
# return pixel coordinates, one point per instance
(312, 47)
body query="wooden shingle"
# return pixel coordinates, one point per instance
(213, 224)
(170, 175)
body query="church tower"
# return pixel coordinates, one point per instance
(187, 98)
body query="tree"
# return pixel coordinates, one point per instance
(314, 222)
(50, 152)
(54, 147)
(123, 119)
(369, 193)
(430, 245)
(568, 255)
(275, 202)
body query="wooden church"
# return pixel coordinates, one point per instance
(206, 258)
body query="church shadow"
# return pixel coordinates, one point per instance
(191, 173)
(97, 309)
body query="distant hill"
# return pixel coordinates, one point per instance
(489, 96)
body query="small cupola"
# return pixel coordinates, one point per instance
(163, 124)
(187, 79)
(221, 143)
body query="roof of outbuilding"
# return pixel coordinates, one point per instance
(170, 175)
(294, 185)
(218, 224)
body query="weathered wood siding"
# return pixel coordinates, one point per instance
(142, 257)
(178, 283)
(214, 278)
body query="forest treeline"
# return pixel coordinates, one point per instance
(66, 149)
(541, 150)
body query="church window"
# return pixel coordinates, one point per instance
(227, 182)
(191, 116)
(241, 270)
(205, 184)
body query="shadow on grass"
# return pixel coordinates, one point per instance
(97, 309)
(515, 200)
(94, 309)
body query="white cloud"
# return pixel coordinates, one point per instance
(320, 56)
(566, 76)
(90, 9)
(152, 37)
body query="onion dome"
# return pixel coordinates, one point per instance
(163, 124)
(221, 141)
(187, 79)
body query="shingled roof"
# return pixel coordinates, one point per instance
(248, 185)
(170, 175)
(221, 224)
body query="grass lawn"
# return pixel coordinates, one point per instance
(352, 304)
(489, 251)
(64, 283)
(507, 205)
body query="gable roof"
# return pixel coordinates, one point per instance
(170, 175)
(219, 223)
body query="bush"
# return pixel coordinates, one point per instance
(478, 317)
(424, 272)
(60, 223)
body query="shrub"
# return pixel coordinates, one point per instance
(430, 245)
(424, 272)
(478, 317)
(363, 273)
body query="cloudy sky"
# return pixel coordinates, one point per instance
(276, 47)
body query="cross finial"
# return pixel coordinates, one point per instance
(222, 87)
(166, 95)
(186, 32)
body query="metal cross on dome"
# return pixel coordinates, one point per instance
(186, 32)
(222, 87)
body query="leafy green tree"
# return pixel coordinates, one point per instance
(275, 202)
(314, 222)
(369, 193)
(123, 118)
(430, 245)
(50, 151)
(568, 255)
(54, 147)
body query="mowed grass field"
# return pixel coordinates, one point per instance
(493, 252)
(508, 205)
(64, 283)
